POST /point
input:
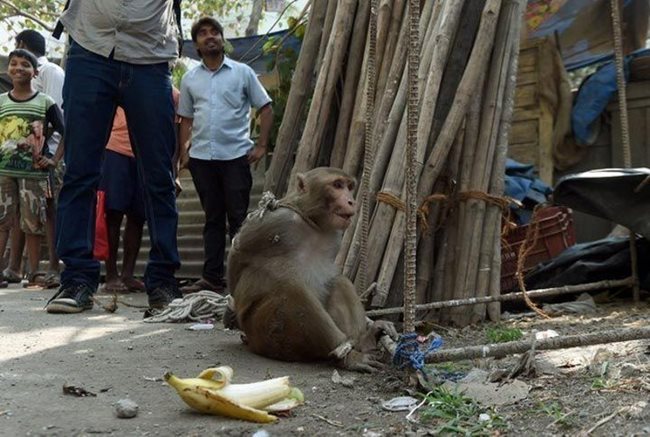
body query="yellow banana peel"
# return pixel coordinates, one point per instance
(211, 392)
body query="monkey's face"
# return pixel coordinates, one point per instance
(342, 206)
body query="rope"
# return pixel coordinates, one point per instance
(368, 154)
(192, 308)
(503, 202)
(409, 351)
(625, 132)
(525, 248)
(413, 116)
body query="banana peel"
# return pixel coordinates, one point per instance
(211, 392)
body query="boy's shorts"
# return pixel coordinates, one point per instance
(120, 182)
(26, 197)
(56, 180)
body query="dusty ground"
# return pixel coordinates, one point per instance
(117, 356)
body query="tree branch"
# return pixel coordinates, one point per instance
(20, 13)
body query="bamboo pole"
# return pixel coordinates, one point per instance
(384, 63)
(396, 166)
(516, 347)
(327, 24)
(473, 228)
(533, 294)
(493, 214)
(466, 90)
(394, 177)
(352, 82)
(289, 133)
(328, 76)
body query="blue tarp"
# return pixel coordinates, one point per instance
(584, 29)
(249, 49)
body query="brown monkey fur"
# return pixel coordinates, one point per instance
(289, 298)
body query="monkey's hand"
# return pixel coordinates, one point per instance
(383, 327)
(361, 362)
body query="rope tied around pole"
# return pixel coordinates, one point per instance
(412, 350)
(502, 202)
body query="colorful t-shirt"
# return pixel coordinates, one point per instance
(25, 125)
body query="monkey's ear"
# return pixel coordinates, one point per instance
(302, 183)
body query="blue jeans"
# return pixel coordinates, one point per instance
(93, 87)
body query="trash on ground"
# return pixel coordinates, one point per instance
(200, 327)
(76, 391)
(400, 403)
(345, 381)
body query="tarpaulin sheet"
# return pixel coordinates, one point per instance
(248, 49)
(584, 28)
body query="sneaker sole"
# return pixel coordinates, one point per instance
(65, 308)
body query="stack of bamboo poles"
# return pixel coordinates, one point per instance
(467, 75)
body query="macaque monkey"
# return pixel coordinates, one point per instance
(288, 295)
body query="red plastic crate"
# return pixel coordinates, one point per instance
(556, 233)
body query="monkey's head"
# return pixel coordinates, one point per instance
(326, 196)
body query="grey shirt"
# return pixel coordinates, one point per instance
(140, 31)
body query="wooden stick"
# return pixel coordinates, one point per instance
(493, 215)
(542, 292)
(351, 83)
(501, 350)
(301, 86)
(466, 90)
(321, 103)
(385, 214)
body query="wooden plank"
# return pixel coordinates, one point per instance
(524, 132)
(524, 153)
(527, 77)
(526, 96)
(522, 114)
(545, 164)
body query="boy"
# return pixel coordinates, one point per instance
(25, 117)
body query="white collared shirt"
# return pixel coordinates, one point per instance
(49, 80)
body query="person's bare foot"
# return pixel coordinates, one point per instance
(133, 285)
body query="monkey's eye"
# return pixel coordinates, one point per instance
(338, 184)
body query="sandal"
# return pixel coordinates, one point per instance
(52, 280)
(11, 277)
(36, 280)
(201, 285)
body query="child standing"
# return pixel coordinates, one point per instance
(25, 119)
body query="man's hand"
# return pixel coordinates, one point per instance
(256, 154)
(184, 160)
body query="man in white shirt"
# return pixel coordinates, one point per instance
(49, 80)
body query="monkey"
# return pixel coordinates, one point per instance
(288, 296)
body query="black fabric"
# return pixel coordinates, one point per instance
(224, 190)
(605, 259)
(609, 194)
(177, 14)
(58, 29)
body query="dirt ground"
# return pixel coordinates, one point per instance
(116, 356)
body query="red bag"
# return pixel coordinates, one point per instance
(100, 248)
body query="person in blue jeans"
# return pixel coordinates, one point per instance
(119, 55)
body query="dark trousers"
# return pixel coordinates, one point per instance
(224, 189)
(93, 87)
